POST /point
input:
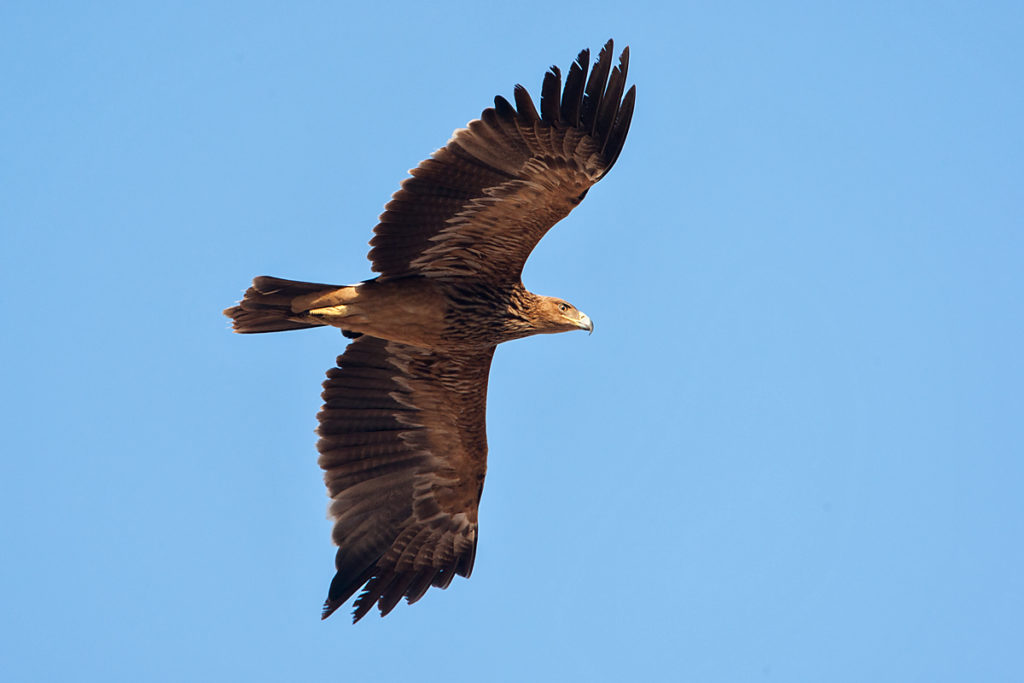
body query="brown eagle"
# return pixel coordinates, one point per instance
(402, 434)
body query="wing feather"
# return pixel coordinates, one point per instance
(403, 449)
(479, 205)
(550, 95)
(575, 82)
(418, 587)
(595, 88)
(620, 128)
(609, 107)
(524, 105)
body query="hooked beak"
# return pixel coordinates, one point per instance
(586, 323)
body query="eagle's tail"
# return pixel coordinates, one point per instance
(274, 305)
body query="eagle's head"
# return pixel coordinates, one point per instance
(553, 315)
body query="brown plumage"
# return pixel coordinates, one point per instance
(402, 430)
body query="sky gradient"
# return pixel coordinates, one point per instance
(792, 450)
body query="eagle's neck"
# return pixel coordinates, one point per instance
(481, 314)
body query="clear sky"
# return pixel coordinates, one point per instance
(793, 450)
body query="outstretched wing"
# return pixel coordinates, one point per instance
(479, 205)
(403, 447)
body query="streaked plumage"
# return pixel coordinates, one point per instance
(402, 430)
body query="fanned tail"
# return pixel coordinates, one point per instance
(267, 306)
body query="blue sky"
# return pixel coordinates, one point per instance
(793, 449)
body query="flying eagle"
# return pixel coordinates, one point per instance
(402, 429)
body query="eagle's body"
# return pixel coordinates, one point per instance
(402, 431)
(442, 316)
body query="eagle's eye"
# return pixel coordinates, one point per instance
(563, 307)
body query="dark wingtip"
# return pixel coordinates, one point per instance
(550, 95)
(503, 107)
(524, 104)
(617, 137)
(330, 607)
(575, 82)
(611, 112)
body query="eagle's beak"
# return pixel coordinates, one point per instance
(586, 323)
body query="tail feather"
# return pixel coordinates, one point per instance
(267, 306)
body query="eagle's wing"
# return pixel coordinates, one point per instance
(403, 446)
(480, 204)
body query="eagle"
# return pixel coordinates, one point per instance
(402, 429)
